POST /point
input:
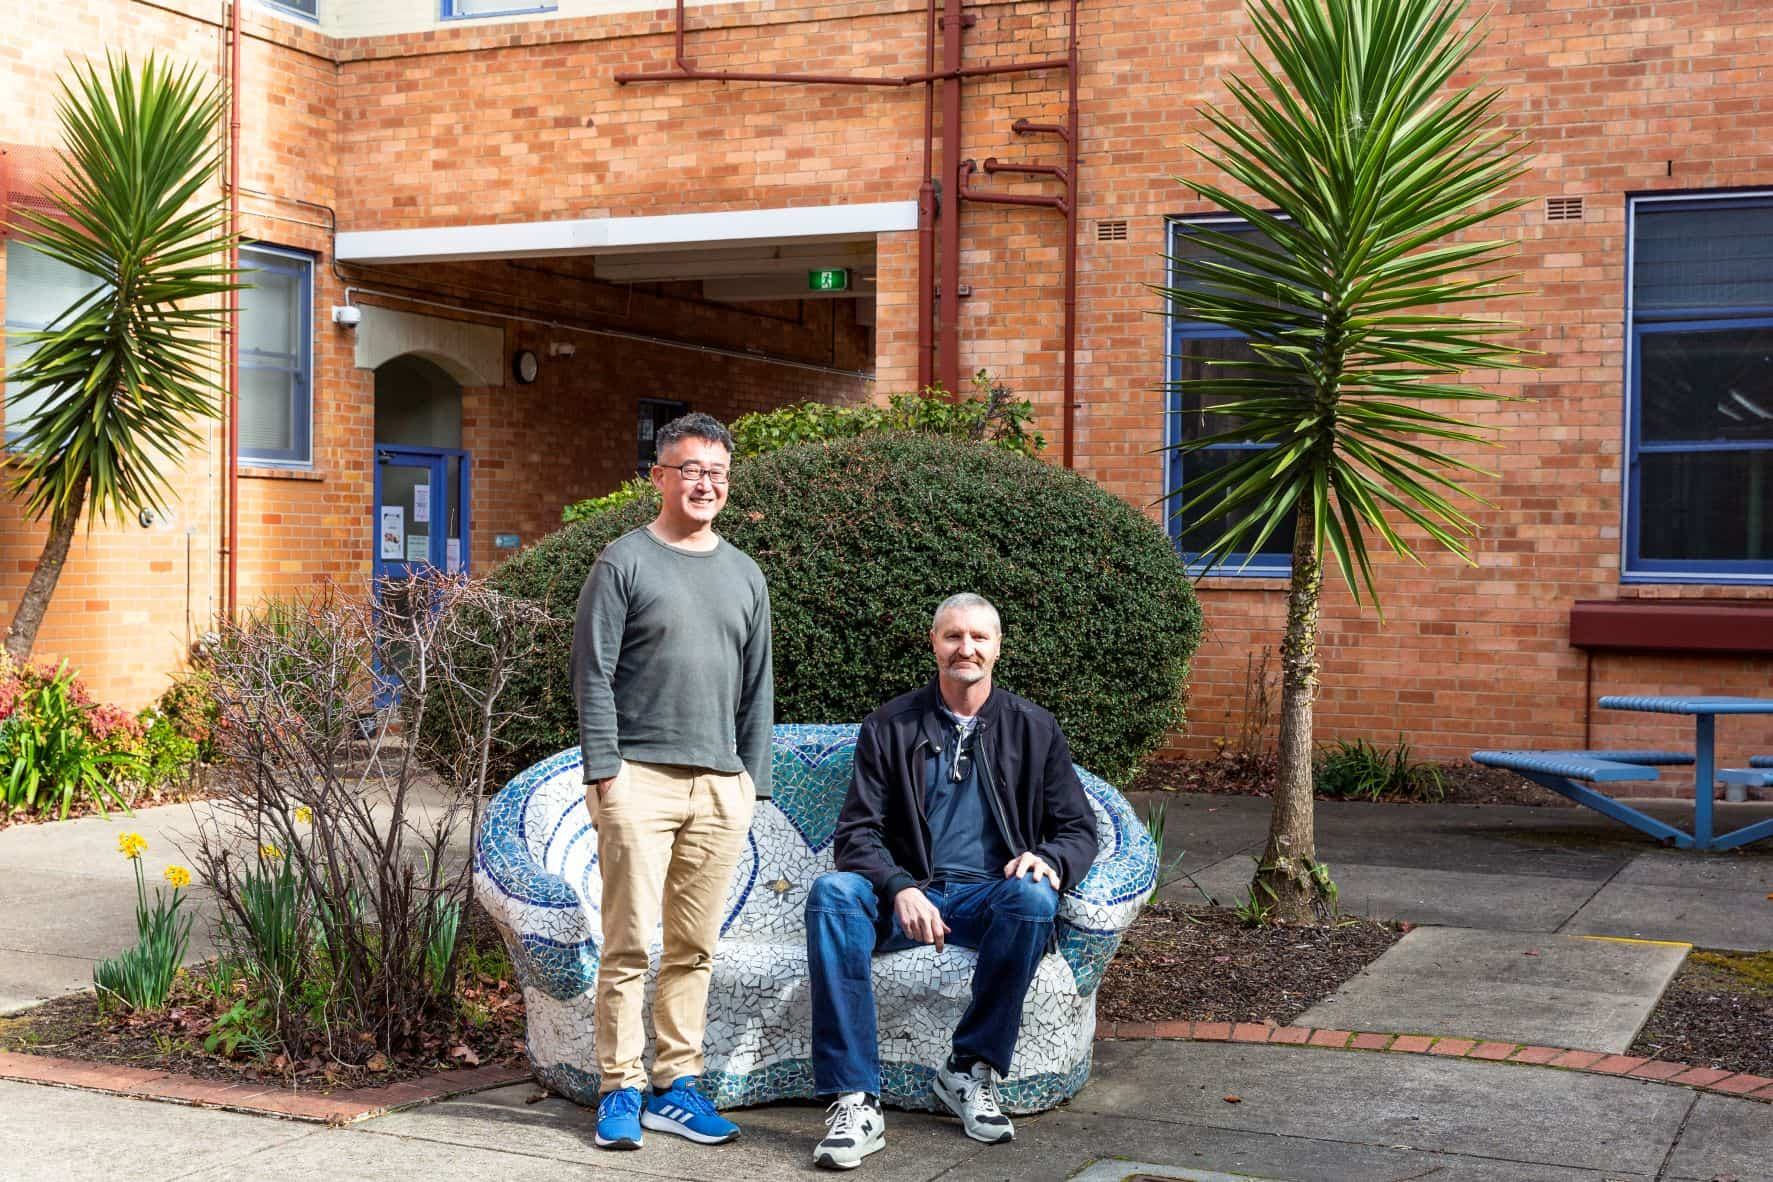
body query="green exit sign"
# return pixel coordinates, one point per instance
(831, 279)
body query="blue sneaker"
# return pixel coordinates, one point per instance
(682, 1110)
(618, 1119)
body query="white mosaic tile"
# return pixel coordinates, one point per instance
(536, 874)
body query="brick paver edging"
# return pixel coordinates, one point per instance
(1709, 1079)
(266, 1098)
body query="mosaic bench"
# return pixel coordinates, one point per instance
(536, 875)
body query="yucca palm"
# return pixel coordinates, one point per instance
(126, 373)
(1358, 168)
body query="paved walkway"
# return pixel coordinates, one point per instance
(1206, 1110)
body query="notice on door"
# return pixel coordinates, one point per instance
(452, 555)
(418, 548)
(393, 532)
(421, 504)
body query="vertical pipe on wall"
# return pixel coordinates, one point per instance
(926, 216)
(1071, 218)
(231, 335)
(948, 352)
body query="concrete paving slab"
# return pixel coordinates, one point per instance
(1729, 871)
(1413, 1102)
(27, 978)
(62, 1135)
(1721, 1140)
(1704, 917)
(1455, 897)
(1559, 991)
(776, 1140)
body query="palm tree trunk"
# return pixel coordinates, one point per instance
(1285, 884)
(22, 634)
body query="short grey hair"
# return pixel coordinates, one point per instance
(962, 601)
(694, 425)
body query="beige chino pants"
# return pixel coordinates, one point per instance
(667, 841)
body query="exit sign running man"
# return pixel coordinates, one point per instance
(832, 279)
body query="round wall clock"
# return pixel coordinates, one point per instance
(524, 366)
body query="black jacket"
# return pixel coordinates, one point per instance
(882, 833)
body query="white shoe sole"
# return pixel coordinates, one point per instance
(957, 1106)
(663, 1125)
(830, 1161)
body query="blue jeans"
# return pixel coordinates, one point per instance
(1009, 921)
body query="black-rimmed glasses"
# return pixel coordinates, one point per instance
(694, 472)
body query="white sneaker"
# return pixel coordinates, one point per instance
(972, 1096)
(854, 1128)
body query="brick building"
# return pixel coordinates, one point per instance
(480, 242)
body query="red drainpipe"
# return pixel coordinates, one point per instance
(926, 217)
(949, 291)
(231, 352)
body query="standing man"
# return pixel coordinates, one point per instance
(671, 671)
(964, 821)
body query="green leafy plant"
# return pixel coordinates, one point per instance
(1170, 869)
(124, 374)
(142, 976)
(625, 493)
(861, 538)
(440, 947)
(166, 756)
(243, 1030)
(1359, 770)
(1358, 169)
(268, 930)
(189, 707)
(49, 757)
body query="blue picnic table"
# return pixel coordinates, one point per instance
(1570, 773)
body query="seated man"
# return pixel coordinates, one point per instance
(964, 821)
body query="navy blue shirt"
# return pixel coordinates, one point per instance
(967, 843)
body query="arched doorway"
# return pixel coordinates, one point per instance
(421, 471)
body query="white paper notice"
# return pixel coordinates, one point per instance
(418, 548)
(421, 504)
(452, 555)
(393, 531)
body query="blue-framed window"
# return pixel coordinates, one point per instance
(461, 9)
(1192, 346)
(276, 356)
(1699, 390)
(306, 9)
(38, 290)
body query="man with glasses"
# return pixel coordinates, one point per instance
(671, 672)
(964, 821)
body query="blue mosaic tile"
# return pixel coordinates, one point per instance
(536, 874)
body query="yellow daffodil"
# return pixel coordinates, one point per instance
(270, 852)
(304, 814)
(178, 876)
(132, 845)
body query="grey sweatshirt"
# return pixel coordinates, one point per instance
(671, 659)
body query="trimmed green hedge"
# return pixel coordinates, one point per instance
(862, 538)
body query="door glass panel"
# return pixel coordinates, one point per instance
(405, 536)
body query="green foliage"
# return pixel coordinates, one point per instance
(269, 928)
(1359, 770)
(1261, 906)
(127, 367)
(861, 538)
(1156, 812)
(440, 948)
(1364, 178)
(987, 415)
(167, 756)
(245, 1029)
(189, 707)
(142, 976)
(57, 747)
(627, 492)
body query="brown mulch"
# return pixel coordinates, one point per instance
(1202, 964)
(198, 787)
(487, 1031)
(1717, 1012)
(1244, 774)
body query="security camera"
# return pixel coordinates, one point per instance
(347, 315)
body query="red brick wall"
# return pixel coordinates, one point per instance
(486, 122)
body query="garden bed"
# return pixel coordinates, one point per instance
(1234, 774)
(1203, 964)
(1717, 1012)
(487, 1030)
(197, 787)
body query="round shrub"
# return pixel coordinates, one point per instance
(862, 538)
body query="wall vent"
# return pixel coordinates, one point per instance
(1111, 230)
(1563, 209)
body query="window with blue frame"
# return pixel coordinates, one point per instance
(276, 356)
(303, 8)
(1194, 351)
(453, 9)
(38, 290)
(1699, 398)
